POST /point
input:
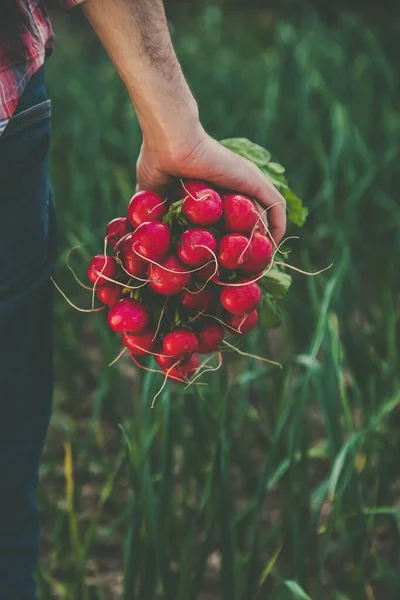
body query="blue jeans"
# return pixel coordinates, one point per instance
(27, 251)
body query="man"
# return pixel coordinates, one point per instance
(135, 34)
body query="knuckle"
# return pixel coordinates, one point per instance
(185, 154)
(253, 173)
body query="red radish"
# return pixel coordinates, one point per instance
(240, 300)
(102, 265)
(152, 240)
(240, 213)
(261, 249)
(117, 229)
(109, 294)
(209, 272)
(128, 315)
(125, 244)
(197, 297)
(146, 206)
(134, 266)
(243, 323)
(140, 344)
(165, 361)
(201, 204)
(210, 337)
(180, 343)
(168, 283)
(184, 370)
(233, 251)
(130, 261)
(192, 247)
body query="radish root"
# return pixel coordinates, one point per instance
(201, 197)
(84, 310)
(118, 357)
(145, 281)
(200, 313)
(271, 362)
(138, 364)
(153, 262)
(124, 285)
(300, 270)
(261, 214)
(241, 323)
(159, 204)
(200, 373)
(215, 260)
(164, 382)
(160, 319)
(86, 287)
(273, 262)
(101, 272)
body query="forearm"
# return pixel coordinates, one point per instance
(135, 35)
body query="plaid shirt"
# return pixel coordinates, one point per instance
(26, 37)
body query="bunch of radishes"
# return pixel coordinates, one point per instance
(184, 274)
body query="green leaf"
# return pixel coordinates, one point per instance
(269, 315)
(296, 590)
(276, 283)
(340, 463)
(297, 213)
(279, 181)
(270, 565)
(244, 147)
(276, 168)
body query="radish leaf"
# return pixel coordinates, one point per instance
(276, 283)
(269, 314)
(297, 212)
(257, 154)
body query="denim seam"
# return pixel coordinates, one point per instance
(25, 119)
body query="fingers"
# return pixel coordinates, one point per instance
(152, 183)
(221, 167)
(252, 182)
(236, 173)
(152, 179)
(263, 217)
(276, 217)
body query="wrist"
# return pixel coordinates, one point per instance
(171, 125)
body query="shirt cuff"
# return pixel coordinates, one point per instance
(69, 3)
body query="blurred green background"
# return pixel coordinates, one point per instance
(265, 484)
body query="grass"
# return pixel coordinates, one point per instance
(264, 484)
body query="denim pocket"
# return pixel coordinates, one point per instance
(26, 118)
(25, 197)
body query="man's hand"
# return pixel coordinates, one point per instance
(204, 158)
(135, 34)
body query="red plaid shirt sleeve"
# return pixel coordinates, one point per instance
(26, 38)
